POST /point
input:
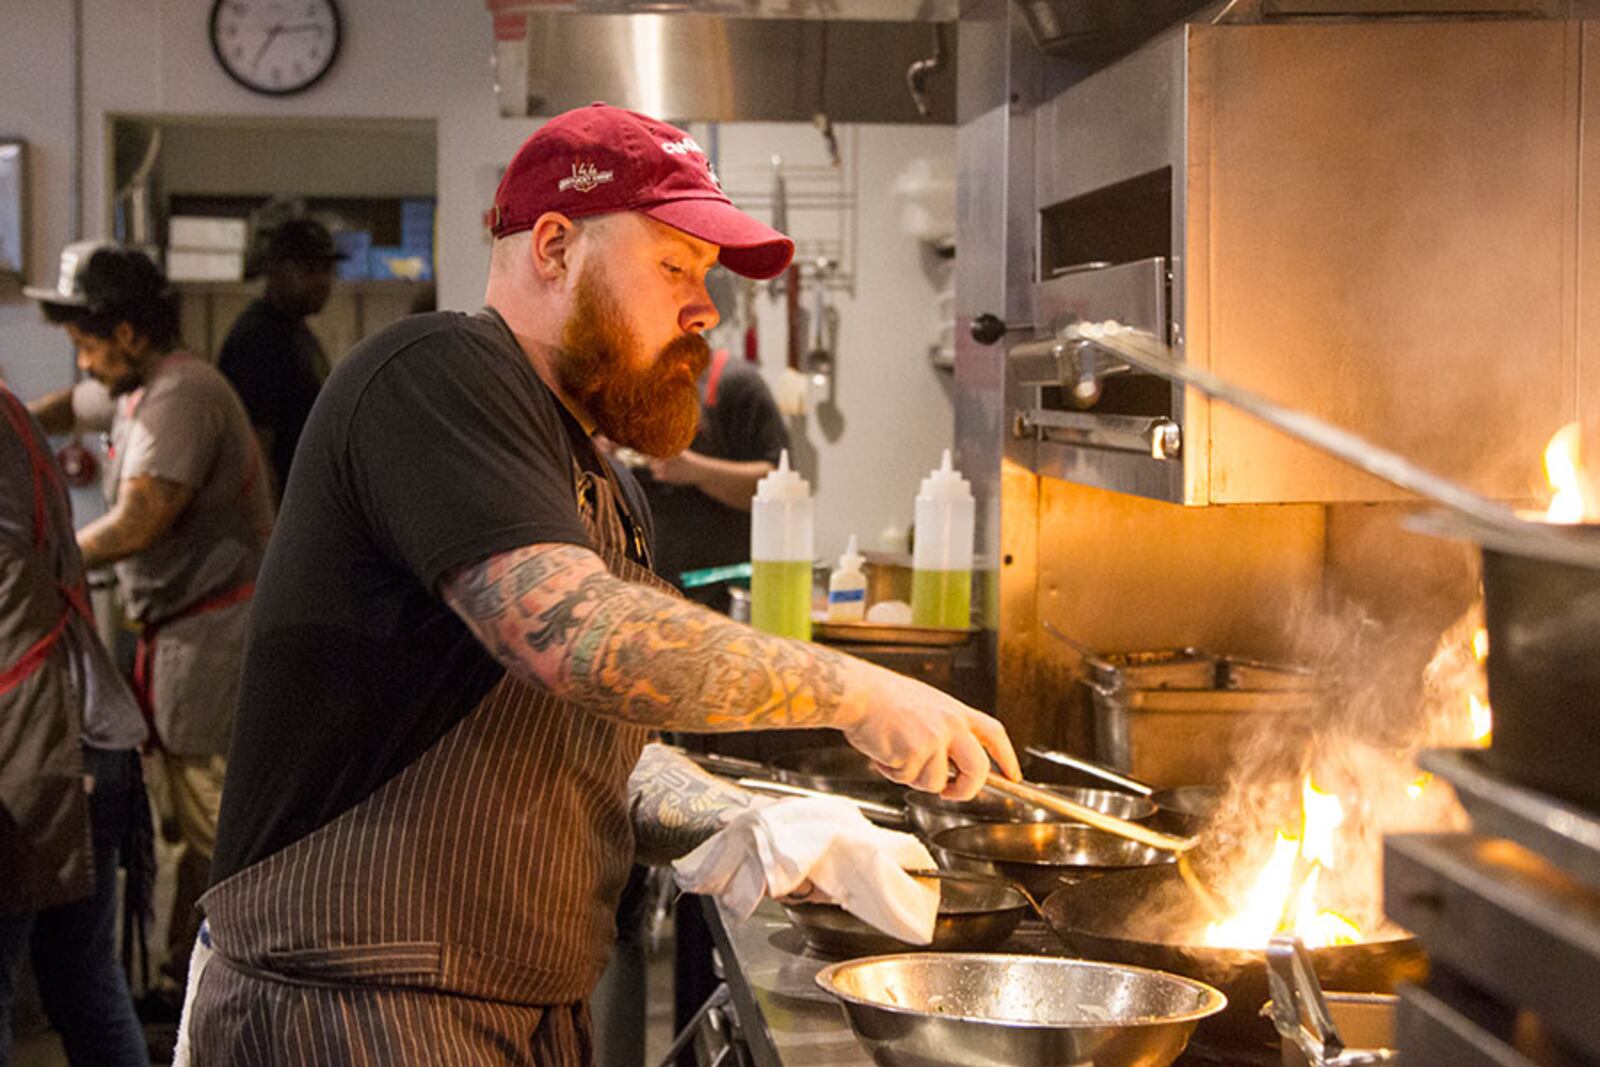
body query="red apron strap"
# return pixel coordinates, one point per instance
(719, 363)
(77, 596)
(144, 655)
(43, 472)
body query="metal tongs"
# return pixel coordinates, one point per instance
(1028, 793)
(1300, 1012)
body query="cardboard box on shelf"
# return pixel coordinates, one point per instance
(202, 265)
(205, 233)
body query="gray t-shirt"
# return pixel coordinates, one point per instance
(187, 425)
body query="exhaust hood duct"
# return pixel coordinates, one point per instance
(691, 66)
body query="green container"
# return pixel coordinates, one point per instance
(941, 598)
(780, 597)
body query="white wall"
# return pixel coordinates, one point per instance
(427, 59)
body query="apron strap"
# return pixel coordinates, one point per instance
(144, 655)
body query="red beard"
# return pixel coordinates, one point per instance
(653, 409)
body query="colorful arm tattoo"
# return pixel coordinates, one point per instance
(556, 615)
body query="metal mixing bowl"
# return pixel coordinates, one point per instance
(1040, 855)
(932, 1009)
(931, 813)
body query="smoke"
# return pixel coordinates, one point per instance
(1360, 743)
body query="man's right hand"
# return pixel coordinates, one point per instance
(917, 735)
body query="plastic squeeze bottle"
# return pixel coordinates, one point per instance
(847, 587)
(780, 553)
(941, 576)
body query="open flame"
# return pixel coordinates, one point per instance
(1575, 498)
(1284, 895)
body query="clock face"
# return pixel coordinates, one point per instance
(275, 46)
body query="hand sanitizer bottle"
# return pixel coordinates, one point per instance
(847, 587)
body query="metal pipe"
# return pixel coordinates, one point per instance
(75, 167)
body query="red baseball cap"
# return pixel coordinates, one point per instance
(598, 159)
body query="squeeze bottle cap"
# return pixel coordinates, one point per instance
(945, 483)
(783, 483)
(852, 559)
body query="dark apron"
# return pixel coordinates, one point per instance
(45, 849)
(463, 912)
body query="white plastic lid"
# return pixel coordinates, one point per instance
(783, 483)
(852, 559)
(945, 483)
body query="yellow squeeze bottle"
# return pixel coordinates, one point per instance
(941, 575)
(780, 553)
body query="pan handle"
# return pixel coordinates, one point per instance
(1055, 802)
(1076, 763)
(870, 808)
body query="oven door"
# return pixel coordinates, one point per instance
(1095, 421)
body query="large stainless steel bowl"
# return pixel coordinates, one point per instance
(1039, 856)
(931, 813)
(957, 1009)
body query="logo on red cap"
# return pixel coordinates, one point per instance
(584, 178)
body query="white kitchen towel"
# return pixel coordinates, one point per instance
(776, 849)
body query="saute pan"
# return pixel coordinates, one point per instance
(975, 913)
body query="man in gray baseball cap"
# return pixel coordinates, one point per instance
(188, 511)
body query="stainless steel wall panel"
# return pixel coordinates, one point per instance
(1116, 123)
(1391, 212)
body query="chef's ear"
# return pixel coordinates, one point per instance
(551, 247)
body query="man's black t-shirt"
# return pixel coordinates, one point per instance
(739, 422)
(276, 366)
(433, 446)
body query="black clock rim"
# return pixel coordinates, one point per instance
(333, 57)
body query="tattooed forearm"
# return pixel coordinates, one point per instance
(145, 510)
(555, 614)
(676, 805)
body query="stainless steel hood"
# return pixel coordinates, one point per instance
(717, 61)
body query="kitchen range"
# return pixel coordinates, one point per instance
(1267, 525)
(1297, 612)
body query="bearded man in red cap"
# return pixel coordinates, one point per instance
(439, 774)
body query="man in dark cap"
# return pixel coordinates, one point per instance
(271, 356)
(187, 519)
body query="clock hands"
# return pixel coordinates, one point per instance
(272, 35)
(280, 28)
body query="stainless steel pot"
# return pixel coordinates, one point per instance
(1039, 856)
(974, 1010)
(975, 912)
(932, 814)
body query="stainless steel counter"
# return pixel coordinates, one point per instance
(785, 1018)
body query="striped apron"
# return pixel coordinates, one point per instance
(463, 912)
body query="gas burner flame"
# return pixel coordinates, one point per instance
(1283, 898)
(1575, 498)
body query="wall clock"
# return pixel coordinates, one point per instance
(275, 47)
